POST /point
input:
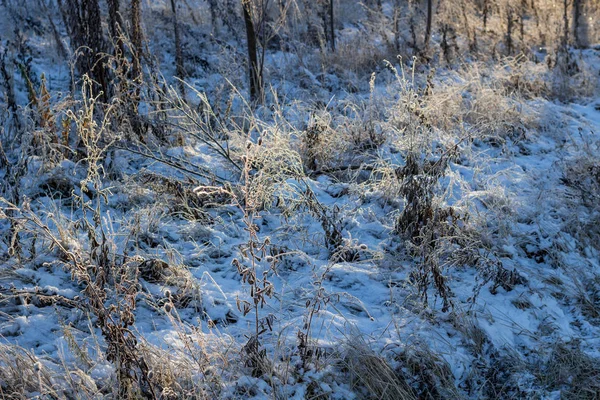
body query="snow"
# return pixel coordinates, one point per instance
(532, 220)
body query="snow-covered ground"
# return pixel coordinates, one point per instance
(519, 253)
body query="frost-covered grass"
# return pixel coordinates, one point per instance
(377, 229)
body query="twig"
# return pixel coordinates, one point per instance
(204, 174)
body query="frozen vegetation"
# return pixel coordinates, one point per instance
(293, 199)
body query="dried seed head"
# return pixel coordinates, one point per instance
(168, 294)
(248, 145)
(168, 307)
(150, 375)
(270, 259)
(37, 366)
(363, 246)
(260, 141)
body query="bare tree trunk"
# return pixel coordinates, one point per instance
(136, 68)
(411, 27)
(576, 17)
(522, 20)
(136, 39)
(536, 17)
(256, 93)
(331, 25)
(7, 77)
(509, 29)
(84, 24)
(444, 44)
(565, 38)
(322, 12)
(95, 40)
(486, 10)
(471, 34)
(179, 70)
(428, 25)
(396, 29)
(564, 57)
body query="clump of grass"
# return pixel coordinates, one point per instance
(371, 373)
(195, 368)
(23, 375)
(109, 281)
(426, 373)
(320, 144)
(178, 196)
(582, 177)
(431, 132)
(588, 297)
(571, 78)
(568, 369)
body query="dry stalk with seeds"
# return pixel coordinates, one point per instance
(307, 347)
(109, 280)
(23, 375)
(194, 349)
(424, 219)
(328, 217)
(437, 235)
(255, 266)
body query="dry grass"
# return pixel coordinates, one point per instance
(428, 373)
(568, 369)
(404, 146)
(478, 103)
(582, 178)
(371, 374)
(23, 375)
(588, 298)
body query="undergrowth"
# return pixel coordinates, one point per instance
(146, 197)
